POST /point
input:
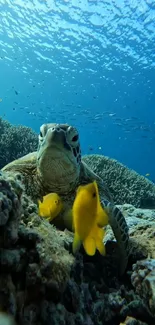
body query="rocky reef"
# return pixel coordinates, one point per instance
(41, 283)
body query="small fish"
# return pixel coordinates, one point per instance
(50, 207)
(147, 175)
(88, 219)
(0, 100)
(112, 114)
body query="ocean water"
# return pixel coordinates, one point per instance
(87, 63)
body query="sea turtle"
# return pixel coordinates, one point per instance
(57, 167)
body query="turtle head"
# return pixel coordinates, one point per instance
(59, 156)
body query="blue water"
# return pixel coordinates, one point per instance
(87, 63)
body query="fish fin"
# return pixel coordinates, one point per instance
(50, 217)
(41, 212)
(102, 217)
(47, 217)
(89, 245)
(102, 214)
(39, 205)
(76, 243)
(79, 189)
(100, 232)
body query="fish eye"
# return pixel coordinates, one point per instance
(94, 194)
(75, 138)
(56, 202)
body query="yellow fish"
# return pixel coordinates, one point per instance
(50, 207)
(88, 218)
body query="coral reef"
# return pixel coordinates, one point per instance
(33, 260)
(15, 142)
(143, 280)
(10, 210)
(41, 283)
(141, 224)
(126, 186)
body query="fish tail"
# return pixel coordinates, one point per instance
(89, 246)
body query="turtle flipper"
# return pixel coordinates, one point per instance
(120, 230)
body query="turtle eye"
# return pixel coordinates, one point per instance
(75, 138)
(72, 136)
(40, 134)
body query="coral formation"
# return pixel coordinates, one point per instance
(143, 280)
(10, 210)
(42, 283)
(141, 224)
(33, 260)
(126, 186)
(15, 141)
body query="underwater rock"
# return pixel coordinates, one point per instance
(143, 280)
(125, 185)
(41, 282)
(10, 209)
(33, 260)
(141, 223)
